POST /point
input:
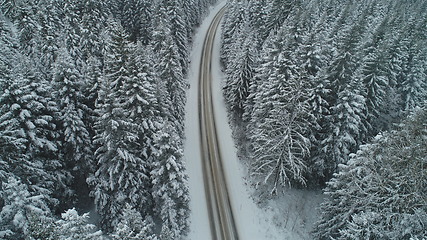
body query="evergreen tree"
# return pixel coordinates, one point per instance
(278, 11)
(172, 81)
(171, 26)
(241, 72)
(233, 18)
(27, 117)
(76, 144)
(170, 189)
(131, 18)
(146, 26)
(347, 122)
(74, 226)
(258, 14)
(414, 87)
(92, 22)
(20, 205)
(192, 15)
(279, 142)
(380, 193)
(133, 227)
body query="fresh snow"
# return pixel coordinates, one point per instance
(286, 217)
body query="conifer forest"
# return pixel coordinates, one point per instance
(327, 95)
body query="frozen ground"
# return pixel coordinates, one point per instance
(286, 217)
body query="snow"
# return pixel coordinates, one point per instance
(199, 226)
(287, 217)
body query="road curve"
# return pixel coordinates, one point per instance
(219, 208)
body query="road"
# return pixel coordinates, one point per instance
(219, 208)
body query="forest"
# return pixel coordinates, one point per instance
(322, 94)
(92, 97)
(331, 94)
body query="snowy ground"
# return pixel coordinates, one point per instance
(287, 217)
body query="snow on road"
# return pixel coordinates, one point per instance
(199, 226)
(248, 222)
(289, 217)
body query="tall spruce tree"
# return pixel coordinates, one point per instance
(279, 142)
(170, 189)
(241, 71)
(380, 193)
(121, 176)
(75, 140)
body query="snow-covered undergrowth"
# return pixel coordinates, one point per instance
(290, 216)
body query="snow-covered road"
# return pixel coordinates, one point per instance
(252, 222)
(247, 220)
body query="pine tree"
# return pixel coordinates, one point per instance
(28, 116)
(346, 121)
(93, 20)
(279, 142)
(170, 24)
(131, 18)
(192, 15)
(233, 18)
(133, 227)
(170, 189)
(278, 11)
(258, 14)
(124, 119)
(74, 226)
(374, 77)
(10, 141)
(75, 141)
(240, 72)
(20, 204)
(414, 87)
(141, 102)
(380, 192)
(146, 26)
(348, 128)
(173, 84)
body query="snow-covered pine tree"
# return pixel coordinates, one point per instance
(121, 176)
(313, 62)
(23, 13)
(278, 11)
(170, 188)
(146, 26)
(27, 114)
(381, 192)
(257, 16)
(376, 82)
(141, 102)
(92, 22)
(170, 22)
(20, 205)
(261, 64)
(240, 71)
(170, 77)
(9, 138)
(131, 18)
(192, 15)
(233, 19)
(133, 227)
(75, 226)
(279, 143)
(75, 142)
(414, 88)
(346, 124)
